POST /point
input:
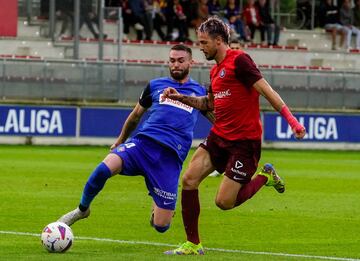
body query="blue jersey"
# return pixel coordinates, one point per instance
(170, 122)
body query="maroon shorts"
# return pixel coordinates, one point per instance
(238, 159)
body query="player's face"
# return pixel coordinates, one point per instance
(179, 64)
(207, 45)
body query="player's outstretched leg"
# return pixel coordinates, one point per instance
(273, 179)
(93, 186)
(190, 214)
(160, 219)
(187, 248)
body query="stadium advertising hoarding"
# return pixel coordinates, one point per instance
(37, 121)
(320, 127)
(102, 122)
(96, 122)
(107, 122)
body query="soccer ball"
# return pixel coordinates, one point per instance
(57, 237)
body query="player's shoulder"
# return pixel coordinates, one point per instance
(197, 84)
(242, 58)
(238, 54)
(160, 80)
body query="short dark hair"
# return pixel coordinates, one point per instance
(182, 47)
(214, 26)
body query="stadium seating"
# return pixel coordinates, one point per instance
(312, 48)
(303, 63)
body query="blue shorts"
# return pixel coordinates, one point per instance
(159, 165)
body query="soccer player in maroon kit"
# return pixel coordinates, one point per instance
(233, 145)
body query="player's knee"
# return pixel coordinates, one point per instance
(161, 229)
(223, 204)
(189, 182)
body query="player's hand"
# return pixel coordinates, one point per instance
(299, 132)
(171, 93)
(113, 146)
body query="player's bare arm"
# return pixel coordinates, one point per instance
(209, 115)
(130, 125)
(264, 88)
(202, 103)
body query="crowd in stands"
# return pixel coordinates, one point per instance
(173, 20)
(65, 14)
(164, 16)
(343, 20)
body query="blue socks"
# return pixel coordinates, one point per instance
(161, 229)
(94, 184)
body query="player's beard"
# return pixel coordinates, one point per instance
(177, 75)
(210, 56)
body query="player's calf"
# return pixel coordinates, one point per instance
(161, 228)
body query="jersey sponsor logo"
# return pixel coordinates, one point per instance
(165, 194)
(168, 203)
(237, 177)
(176, 104)
(238, 165)
(223, 94)
(222, 73)
(238, 172)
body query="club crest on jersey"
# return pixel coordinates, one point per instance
(121, 148)
(222, 73)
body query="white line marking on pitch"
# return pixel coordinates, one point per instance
(207, 248)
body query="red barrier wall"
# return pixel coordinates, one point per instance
(8, 17)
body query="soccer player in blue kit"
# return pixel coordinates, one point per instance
(165, 137)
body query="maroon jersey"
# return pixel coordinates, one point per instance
(237, 108)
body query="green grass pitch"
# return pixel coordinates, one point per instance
(317, 218)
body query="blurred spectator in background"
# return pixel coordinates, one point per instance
(158, 17)
(347, 20)
(44, 9)
(127, 17)
(253, 19)
(64, 12)
(330, 18)
(180, 21)
(140, 19)
(356, 12)
(176, 18)
(233, 15)
(149, 11)
(202, 13)
(110, 3)
(191, 12)
(112, 13)
(268, 24)
(170, 19)
(304, 6)
(235, 45)
(90, 18)
(214, 8)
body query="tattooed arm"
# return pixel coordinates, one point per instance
(209, 115)
(202, 103)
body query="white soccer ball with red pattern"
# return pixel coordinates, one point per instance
(57, 237)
